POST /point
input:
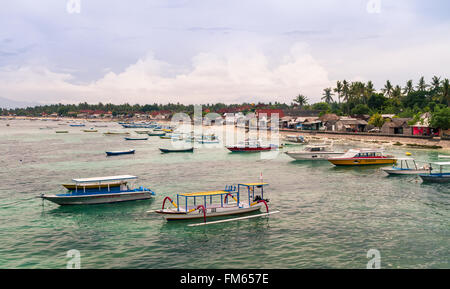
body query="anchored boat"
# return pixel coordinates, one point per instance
(200, 205)
(294, 139)
(407, 166)
(101, 190)
(252, 147)
(318, 152)
(116, 153)
(187, 150)
(362, 157)
(136, 138)
(441, 177)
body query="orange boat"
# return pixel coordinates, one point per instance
(363, 157)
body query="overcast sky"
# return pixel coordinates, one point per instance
(204, 51)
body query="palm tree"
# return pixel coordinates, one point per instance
(436, 83)
(409, 87)
(327, 95)
(422, 85)
(301, 100)
(345, 90)
(338, 90)
(370, 88)
(387, 90)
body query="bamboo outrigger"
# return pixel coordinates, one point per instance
(205, 208)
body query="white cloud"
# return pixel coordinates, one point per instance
(237, 77)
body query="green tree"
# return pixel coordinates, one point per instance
(301, 100)
(440, 118)
(377, 120)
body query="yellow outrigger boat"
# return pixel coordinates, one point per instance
(363, 157)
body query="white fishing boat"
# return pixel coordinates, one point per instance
(444, 157)
(100, 190)
(406, 166)
(315, 152)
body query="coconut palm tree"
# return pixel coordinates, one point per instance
(408, 88)
(387, 90)
(345, 90)
(422, 85)
(327, 95)
(338, 90)
(301, 100)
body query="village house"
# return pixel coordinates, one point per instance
(397, 126)
(423, 128)
(329, 121)
(347, 124)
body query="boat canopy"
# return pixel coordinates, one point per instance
(254, 184)
(105, 179)
(201, 194)
(442, 163)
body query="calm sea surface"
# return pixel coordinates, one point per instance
(330, 217)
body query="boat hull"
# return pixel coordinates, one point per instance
(306, 156)
(402, 172)
(436, 178)
(250, 149)
(171, 215)
(91, 186)
(361, 162)
(177, 151)
(120, 153)
(99, 198)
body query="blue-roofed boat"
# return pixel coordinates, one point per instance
(441, 177)
(116, 153)
(102, 190)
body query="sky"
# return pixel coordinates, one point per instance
(208, 51)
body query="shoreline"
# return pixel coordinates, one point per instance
(400, 142)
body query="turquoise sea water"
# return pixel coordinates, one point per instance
(330, 217)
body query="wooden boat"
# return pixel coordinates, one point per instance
(101, 190)
(116, 153)
(116, 133)
(441, 177)
(100, 125)
(156, 133)
(62, 131)
(142, 131)
(136, 138)
(188, 150)
(90, 130)
(320, 152)
(294, 139)
(77, 124)
(251, 147)
(362, 157)
(200, 208)
(407, 166)
(165, 136)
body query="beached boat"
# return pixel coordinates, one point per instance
(156, 133)
(231, 203)
(362, 157)
(136, 138)
(116, 153)
(315, 152)
(116, 133)
(100, 125)
(294, 139)
(252, 146)
(441, 177)
(77, 124)
(62, 131)
(90, 130)
(406, 166)
(101, 190)
(142, 131)
(187, 150)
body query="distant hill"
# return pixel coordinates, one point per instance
(9, 103)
